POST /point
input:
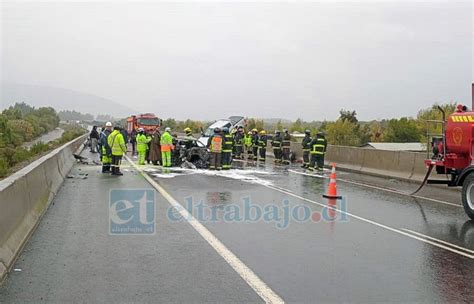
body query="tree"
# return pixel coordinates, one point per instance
(170, 122)
(253, 123)
(297, 126)
(74, 115)
(342, 132)
(433, 113)
(402, 130)
(348, 115)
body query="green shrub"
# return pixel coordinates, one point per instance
(3, 167)
(21, 154)
(39, 147)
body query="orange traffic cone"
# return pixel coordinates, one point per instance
(332, 189)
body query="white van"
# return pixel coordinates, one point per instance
(232, 122)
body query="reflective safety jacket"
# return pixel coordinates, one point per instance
(238, 139)
(104, 146)
(306, 143)
(166, 142)
(142, 142)
(215, 143)
(117, 143)
(189, 140)
(228, 143)
(318, 146)
(262, 141)
(254, 139)
(286, 140)
(248, 140)
(276, 142)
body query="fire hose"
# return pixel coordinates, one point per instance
(423, 183)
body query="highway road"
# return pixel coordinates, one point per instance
(249, 235)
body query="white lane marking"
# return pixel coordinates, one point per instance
(380, 188)
(262, 289)
(439, 241)
(373, 222)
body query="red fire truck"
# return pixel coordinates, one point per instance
(148, 121)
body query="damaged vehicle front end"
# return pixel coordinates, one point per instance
(190, 153)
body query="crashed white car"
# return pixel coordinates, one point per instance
(232, 122)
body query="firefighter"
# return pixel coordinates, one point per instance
(214, 144)
(117, 144)
(318, 149)
(104, 148)
(285, 146)
(255, 144)
(276, 144)
(239, 142)
(248, 144)
(262, 145)
(166, 143)
(306, 148)
(189, 139)
(142, 145)
(227, 149)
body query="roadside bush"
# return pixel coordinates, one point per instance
(69, 135)
(39, 148)
(21, 154)
(3, 167)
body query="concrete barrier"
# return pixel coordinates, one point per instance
(397, 164)
(404, 165)
(25, 196)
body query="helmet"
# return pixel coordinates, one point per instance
(249, 133)
(217, 130)
(225, 129)
(263, 132)
(167, 129)
(240, 128)
(108, 124)
(187, 130)
(254, 130)
(141, 130)
(320, 133)
(277, 132)
(307, 132)
(285, 130)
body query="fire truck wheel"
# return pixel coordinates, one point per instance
(468, 195)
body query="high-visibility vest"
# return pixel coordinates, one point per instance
(142, 142)
(166, 142)
(216, 143)
(319, 146)
(227, 147)
(276, 143)
(238, 139)
(286, 141)
(117, 143)
(248, 140)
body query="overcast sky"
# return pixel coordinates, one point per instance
(206, 60)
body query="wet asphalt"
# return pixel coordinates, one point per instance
(340, 260)
(383, 247)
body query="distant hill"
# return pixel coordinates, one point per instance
(60, 99)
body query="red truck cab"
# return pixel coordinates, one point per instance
(148, 121)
